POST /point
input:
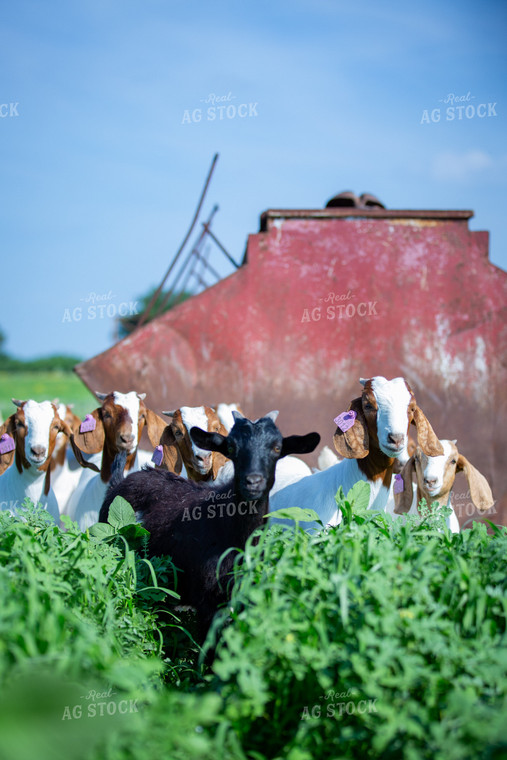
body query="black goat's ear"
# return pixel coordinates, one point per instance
(209, 441)
(300, 444)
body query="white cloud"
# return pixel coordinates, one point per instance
(454, 167)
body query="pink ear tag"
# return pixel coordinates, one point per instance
(399, 485)
(6, 444)
(345, 420)
(88, 424)
(158, 455)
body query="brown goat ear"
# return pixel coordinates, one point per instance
(426, 437)
(172, 460)
(355, 442)
(218, 462)
(67, 430)
(219, 459)
(155, 427)
(8, 427)
(93, 441)
(480, 492)
(403, 500)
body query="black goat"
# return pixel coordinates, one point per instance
(196, 522)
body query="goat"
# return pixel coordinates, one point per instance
(178, 449)
(65, 469)
(432, 478)
(288, 470)
(115, 426)
(327, 458)
(28, 438)
(371, 436)
(179, 513)
(225, 414)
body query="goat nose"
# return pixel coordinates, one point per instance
(397, 439)
(254, 480)
(126, 438)
(430, 481)
(38, 451)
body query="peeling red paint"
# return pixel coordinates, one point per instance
(267, 337)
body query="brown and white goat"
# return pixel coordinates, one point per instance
(371, 436)
(65, 469)
(28, 440)
(432, 478)
(180, 451)
(113, 427)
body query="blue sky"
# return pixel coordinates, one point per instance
(101, 168)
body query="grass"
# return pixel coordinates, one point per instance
(44, 386)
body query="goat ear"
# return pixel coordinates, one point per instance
(426, 437)
(66, 429)
(155, 427)
(209, 441)
(480, 492)
(403, 500)
(172, 460)
(93, 441)
(76, 422)
(300, 444)
(219, 460)
(8, 427)
(237, 415)
(101, 396)
(355, 442)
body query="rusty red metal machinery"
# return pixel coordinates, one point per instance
(325, 297)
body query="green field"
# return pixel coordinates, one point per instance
(44, 386)
(373, 639)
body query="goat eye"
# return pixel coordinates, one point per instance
(277, 449)
(453, 461)
(368, 406)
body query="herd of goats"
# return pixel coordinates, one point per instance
(214, 475)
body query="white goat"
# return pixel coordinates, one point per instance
(371, 437)
(432, 478)
(27, 444)
(65, 469)
(115, 426)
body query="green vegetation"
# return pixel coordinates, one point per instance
(373, 639)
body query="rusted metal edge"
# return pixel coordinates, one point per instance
(355, 213)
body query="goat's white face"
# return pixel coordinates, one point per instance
(39, 419)
(393, 399)
(130, 402)
(195, 416)
(436, 474)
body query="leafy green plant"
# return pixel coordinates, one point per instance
(407, 621)
(156, 582)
